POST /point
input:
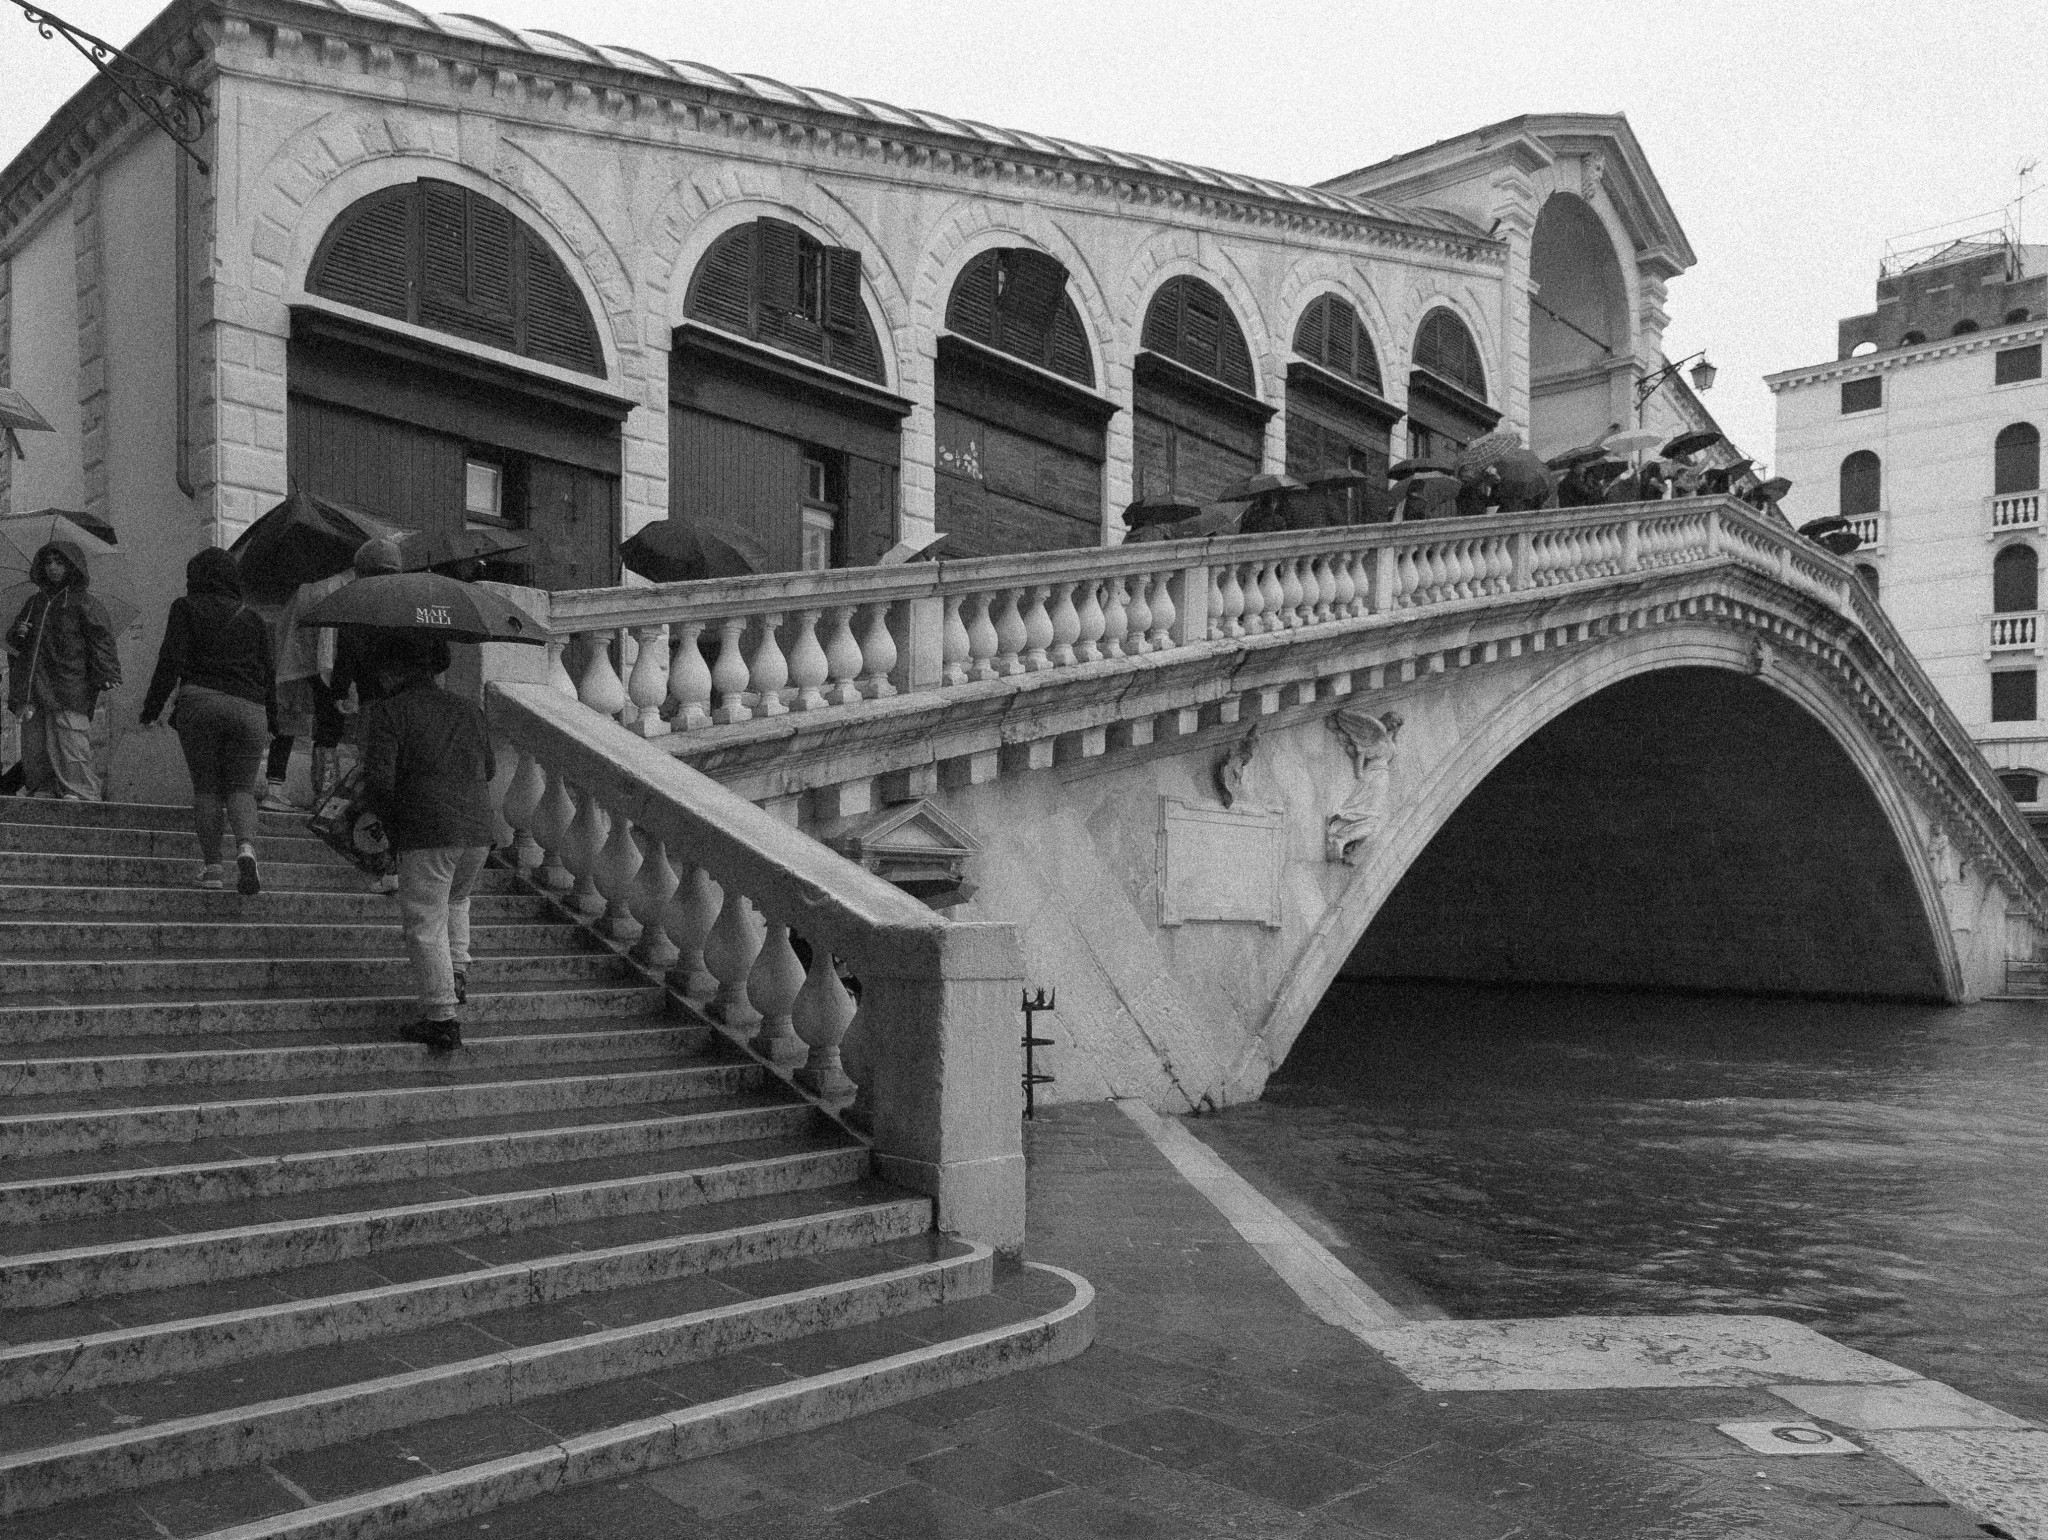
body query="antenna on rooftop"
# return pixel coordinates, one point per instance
(2023, 172)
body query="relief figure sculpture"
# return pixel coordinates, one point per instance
(1370, 741)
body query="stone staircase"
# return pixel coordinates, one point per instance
(266, 1271)
(2026, 980)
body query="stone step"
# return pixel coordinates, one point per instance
(209, 1421)
(83, 977)
(427, 1095)
(158, 844)
(174, 940)
(661, 1128)
(89, 1352)
(66, 1262)
(128, 815)
(27, 867)
(33, 900)
(541, 1451)
(71, 1066)
(224, 1011)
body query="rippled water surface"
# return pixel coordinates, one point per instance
(1879, 1171)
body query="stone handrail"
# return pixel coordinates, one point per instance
(716, 896)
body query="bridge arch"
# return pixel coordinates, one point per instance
(1912, 866)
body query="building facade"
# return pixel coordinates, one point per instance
(448, 272)
(1925, 431)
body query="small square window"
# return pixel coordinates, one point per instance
(484, 490)
(2021, 785)
(1862, 395)
(2012, 695)
(2016, 364)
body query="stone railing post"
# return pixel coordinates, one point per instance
(1383, 564)
(1522, 552)
(943, 1072)
(924, 649)
(1632, 545)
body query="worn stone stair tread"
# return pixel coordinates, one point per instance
(129, 815)
(207, 940)
(155, 844)
(66, 1261)
(357, 906)
(178, 872)
(61, 980)
(429, 1287)
(200, 1059)
(476, 1464)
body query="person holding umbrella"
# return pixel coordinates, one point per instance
(216, 656)
(61, 657)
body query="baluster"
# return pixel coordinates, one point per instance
(647, 685)
(1274, 595)
(1011, 635)
(587, 833)
(1254, 609)
(729, 673)
(616, 872)
(1287, 572)
(629, 656)
(809, 668)
(599, 688)
(1469, 569)
(522, 800)
(1090, 622)
(689, 679)
(877, 655)
(1219, 625)
(558, 667)
(1407, 577)
(1137, 617)
(686, 919)
(505, 765)
(1343, 585)
(956, 650)
(982, 640)
(772, 987)
(552, 816)
(823, 1012)
(1230, 600)
(1500, 566)
(1038, 630)
(1316, 588)
(1115, 618)
(654, 884)
(1439, 572)
(768, 674)
(843, 658)
(1066, 627)
(730, 948)
(1164, 612)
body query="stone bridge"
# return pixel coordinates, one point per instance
(1660, 745)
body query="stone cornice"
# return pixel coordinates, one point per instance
(1991, 339)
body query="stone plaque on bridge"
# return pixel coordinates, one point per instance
(1218, 864)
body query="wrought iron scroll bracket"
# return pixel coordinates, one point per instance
(172, 105)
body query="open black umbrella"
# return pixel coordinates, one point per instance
(1585, 454)
(91, 523)
(1689, 444)
(302, 540)
(672, 551)
(1402, 468)
(1166, 508)
(1252, 487)
(427, 602)
(419, 549)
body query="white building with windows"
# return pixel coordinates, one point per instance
(1926, 433)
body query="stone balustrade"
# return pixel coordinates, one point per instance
(752, 922)
(685, 656)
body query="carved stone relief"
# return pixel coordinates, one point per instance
(1370, 740)
(1234, 767)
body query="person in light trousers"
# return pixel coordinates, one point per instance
(428, 766)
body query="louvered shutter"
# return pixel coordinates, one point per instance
(1069, 353)
(491, 282)
(971, 310)
(778, 251)
(1234, 359)
(858, 351)
(843, 310)
(1030, 302)
(1368, 366)
(721, 289)
(1161, 332)
(1201, 331)
(1311, 336)
(366, 259)
(558, 327)
(1445, 348)
(444, 266)
(1342, 327)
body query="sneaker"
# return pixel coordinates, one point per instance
(247, 882)
(275, 801)
(209, 876)
(437, 1035)
(461, 987)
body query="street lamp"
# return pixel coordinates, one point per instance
(1702, 379)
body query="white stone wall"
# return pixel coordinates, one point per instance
(1933, 438)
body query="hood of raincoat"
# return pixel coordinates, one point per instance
(213, 571)
(78, 577)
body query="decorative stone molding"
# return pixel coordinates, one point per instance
(1990, 339)
(6, 378)
(92, 341)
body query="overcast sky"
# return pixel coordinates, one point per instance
(1793, 137)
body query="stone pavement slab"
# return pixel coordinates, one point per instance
(1216, 1403)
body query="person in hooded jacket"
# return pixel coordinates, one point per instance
(216, 656)
(63, 656)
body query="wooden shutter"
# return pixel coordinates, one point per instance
(1366, 368)
(558, 328)
(1188, 322)
(1029, 303)
(1445, 348)
(778, 254)
(1069, 354)
(1311, 337)
(366, 259)
(843, 309)
(444, 268)
(722, 287)
(971, 310)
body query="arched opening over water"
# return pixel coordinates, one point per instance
(1690, 828)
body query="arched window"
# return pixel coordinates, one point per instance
(2016, 459)
(1861, 484)
(1015, 301)
(1868, 573)
(1331, 334)
(1189, 323)
(1863, 349)
(440, 256)
(2022, 786)
(2015, 580)
(771, 282)
(1445, 348)
(1963, 328)
(2016, 317)
(1912, 339)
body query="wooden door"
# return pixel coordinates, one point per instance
(405, 475)
(572, 525)
(727, 473)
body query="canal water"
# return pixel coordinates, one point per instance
(1879, 1171)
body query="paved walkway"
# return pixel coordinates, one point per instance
(1215, 1403)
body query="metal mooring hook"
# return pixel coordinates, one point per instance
(1031, 1005)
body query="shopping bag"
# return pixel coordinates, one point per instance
(346, 826)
